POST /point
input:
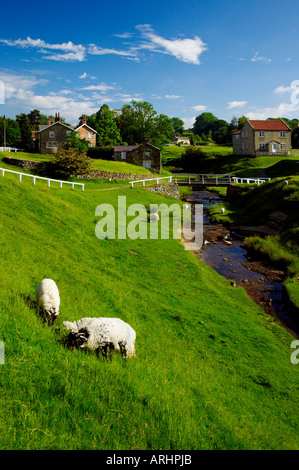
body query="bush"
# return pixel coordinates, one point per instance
(71, 163)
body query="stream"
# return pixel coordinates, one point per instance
(223, 251)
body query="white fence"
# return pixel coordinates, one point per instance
(258, 181)
(4, 170)
(8, 149)
(157, 181)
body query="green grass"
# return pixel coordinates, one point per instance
(212, 370)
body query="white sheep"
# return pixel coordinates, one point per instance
(185, 206)
(48, 299)
(285, 182)
(101, 334)
(222, 210)
(154, 217)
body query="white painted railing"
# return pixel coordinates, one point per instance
(157, 180)
(4, 170)
(8, 149)
(258, 181)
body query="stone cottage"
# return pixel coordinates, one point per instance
(145, 155)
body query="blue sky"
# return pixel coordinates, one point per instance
(225, 57)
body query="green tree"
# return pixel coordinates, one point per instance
(73, 141)
(105, 125)
(178, 125)
(25, 130)
(36, 119)
(12, 132)
(241, 122)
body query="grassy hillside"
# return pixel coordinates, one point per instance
(212, 370)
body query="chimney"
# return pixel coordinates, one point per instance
(50, 122)
(57, 117)
(83, 119)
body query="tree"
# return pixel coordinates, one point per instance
(105, 125)
(25, 130)
(241, 122)
(73, 141)
(36, 119)
(162, 131)
(178, 125)
(137, 122)
(203, 123)
(12, 132)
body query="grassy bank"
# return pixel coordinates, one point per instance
(257, 207)
(212, 370)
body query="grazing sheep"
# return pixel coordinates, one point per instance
(185, 206)
(154, 217)
(285, 182)
(47, 295)
(101, 334)
(222, 210)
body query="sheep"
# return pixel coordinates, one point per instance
(48, 299)
(222, 210)
(285, 183)
(101, 334)
(154, 217)
(185, 206)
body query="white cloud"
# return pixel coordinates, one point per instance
(96, 50)
(236, 104)
(173, 97)
(188, 122)
(72, 52)
(258, 58)
(199, 107)
(101, 87)
(288, 110)
(185, 50)
(84, 75)
(124, 35)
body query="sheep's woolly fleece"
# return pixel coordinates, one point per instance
(47, 295)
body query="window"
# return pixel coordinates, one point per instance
(123, 155)
(51, 134)
(146, 154)
(262, 146)
(261, 133)
(90, 135)
(146, 164)
(51, 145)
(242, 135)
(237, 136)
(282, 134)
(246, 134)
(283, 147)
(68, 132)
(242, 147)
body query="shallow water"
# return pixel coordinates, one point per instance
(227, 260)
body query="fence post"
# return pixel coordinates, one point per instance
(143, 182)
(82, 187)
(3, 171)
(20, 177)
(34, 179)
(216, 180)
(72, 185)
(60, 184)
(189, 179)
(49, 183)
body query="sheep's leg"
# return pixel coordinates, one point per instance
(104, 352)
(111, 349)
(123, 350)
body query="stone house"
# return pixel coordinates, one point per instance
(145, 155)
(180, 140)
(262, 138)
(51, 138)
(86, 132)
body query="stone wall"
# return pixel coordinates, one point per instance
(40, 168)
(116, 176)
(171, 190)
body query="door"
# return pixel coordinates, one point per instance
(274, 148)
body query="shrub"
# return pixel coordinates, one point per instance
(102, 153)
(71, 163)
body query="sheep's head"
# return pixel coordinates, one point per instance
(77, 339)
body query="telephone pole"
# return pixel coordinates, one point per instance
(4, 131)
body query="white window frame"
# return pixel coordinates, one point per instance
(123, 155)
(262, 146)
(90, 135)
(282, 134)
(146, 164)
(51, 134)
(147, 154)
(242, 147)
(261, 133)
(283, 147)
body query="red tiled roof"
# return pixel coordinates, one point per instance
(269, 125)
(238, 132)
